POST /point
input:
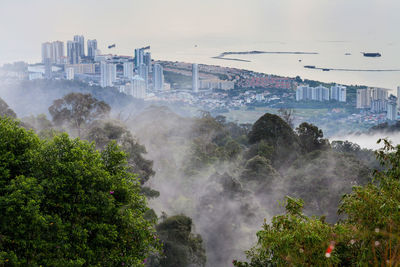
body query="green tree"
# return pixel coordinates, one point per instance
(78, 110)
(311, 138)
(277, 134)
(180, 246)
(104, 132)
(374, 212)
(293, 239)
(62, 203)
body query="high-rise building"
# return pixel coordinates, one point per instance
(73, 52)
(320, 93)
(128, 70)
(69, 73)
(47, 51)
(108, 74)
(137, 88)
(81, 43)
(139, 53)
(195, 78)
(338, 93)
(158, 77)
(91, 46)
(147, 60)
(143, 72)
(392, 108)
(302, 92)
(378, 93)
(58, 52)
(363, 98)
(54, 51)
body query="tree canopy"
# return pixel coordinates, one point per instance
(78, 110)
(62, 203)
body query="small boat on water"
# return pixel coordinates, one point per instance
(347, 54)
(309, 66)
(371, 54)
(326, 69)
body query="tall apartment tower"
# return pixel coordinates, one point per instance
(147, 60)
(81, 43)
(363, 98)
(108, 74)
(143, 72)
(73, 52)
(139, 53)
(58, 52)
(91, 47)
(392, 108)
(158, 77)
(338, 92)
(47, 51)
(138, 87)
(195, 78)
(128, 70)
(53, 51)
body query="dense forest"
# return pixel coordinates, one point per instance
(87, 187)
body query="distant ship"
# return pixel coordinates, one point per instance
(326, 69)
(347, 54)
(309, 67)
(371, 54)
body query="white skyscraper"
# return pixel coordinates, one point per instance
(158, 77)
(338, 93)
(139, 53)
(392, 108)
(363, 98)
(47, 51)
(92, 47)
(54, 51)
(108, 74)
(137, 87)
(128, 70)
(81, 43)
(195, 78)
(73, 50)
(143, 72)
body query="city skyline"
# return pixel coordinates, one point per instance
(260, 21)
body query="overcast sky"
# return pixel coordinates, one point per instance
(25, 24)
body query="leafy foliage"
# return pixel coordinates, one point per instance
(311, 137)
(64, 203)
(181, 246)
(277, 134)
(78, 110)
(293, 239)
(104, 132)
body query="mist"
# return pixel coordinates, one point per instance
(369, 140)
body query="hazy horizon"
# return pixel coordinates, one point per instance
(174, 27)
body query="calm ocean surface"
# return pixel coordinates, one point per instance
(331, 55)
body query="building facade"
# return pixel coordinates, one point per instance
(158, 77)
(108, 74)
(195, 78)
